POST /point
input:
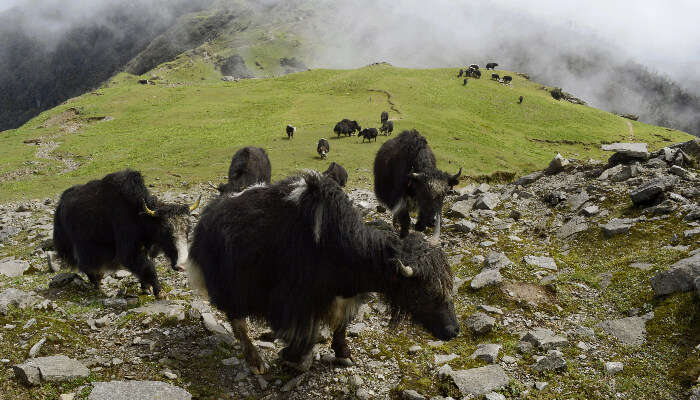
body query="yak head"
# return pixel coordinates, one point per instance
(172, 226)
(430, 189)
(422, 289)
(355, 126)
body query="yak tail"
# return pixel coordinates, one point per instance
(196, 278)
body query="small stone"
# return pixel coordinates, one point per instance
(541, 262)
(525, 347)
(212, 325)
(13, 268)
(590, 211)
(576, 225)
(50, 369)
(461, 209)
(678, 278)
(116, 303)
(487, 201)
(613, 367)
(631, 331)
(544, 339)
(540, 385)
(490, 309)
(17, 298)
(137, 390)
(487, 352)
(356, 380)
(617, 226)
(477, 259)
(67, 396)
(554, 360)
(496, 260)
(411, 395)
(691, 233)
(435, 343)
(444, 358)
(494, 396)
(480, 323)
(486, 278)
(557, 164)
(583, 346)
(34, 351)
(650, 191)
(168, 374)
(464, 226)
(229, 362)
(529, 179)
(682, 173)
(356, 329)
(414, 349)
(477, 381)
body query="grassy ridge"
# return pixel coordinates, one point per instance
(186, 127)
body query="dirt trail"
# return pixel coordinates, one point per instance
(388, 99)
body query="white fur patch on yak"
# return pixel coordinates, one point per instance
(258, 185)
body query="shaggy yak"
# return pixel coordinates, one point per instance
(507, 79)
(387, 128)
(491, 65)
(113, 222)
(249, 166)
(405, 179)
(346, 127)
(322, 148)
(336, 172)
(297, 255)
(290, 131)
(369, 134)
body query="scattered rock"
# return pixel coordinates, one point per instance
(575, 225)
(17, 298)
(557, 164)
(682, 173)
(137, 390)
(461, 209)
(480, 323)
(590, 211)
(631, 331)
(553, 361)
(541, 262)
(411, 395)
(490, 309)
(34, 351)
(578, 200)
(613, 367)
(477, 381)
(650, 192)
(444, 358)
(464, 226)
(50, 369)
(617, 226)
(486, 278)
(487, 201)
(13, 268)
(172, 309)
(633, 150)
(679, 277)
(494, 396)
(414, 349)
(529, 179)
(487, 352)
(541, 385)
(496, 261)
(691, 233)
(544, 339)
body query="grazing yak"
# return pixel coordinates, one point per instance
(491, 65)
(465, 82)
(384, 117)
(495, 77)
(297, 255)
(346, 127)
(290, 131)
(520, 100)
(405, 178)
(322, 148)
(113, 222)
(336, 172)
(474, 66)
(249, 166)
(461, 73)
(387, 128)
(369, 134)
(507, 79)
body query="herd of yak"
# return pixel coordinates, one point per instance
(294, 253)
(473, 71)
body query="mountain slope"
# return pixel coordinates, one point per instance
(187, 125)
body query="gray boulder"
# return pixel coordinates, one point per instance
(529, 179)
(633, 150)
(137, 390)
(631, 331)
(17, 298)
(477, 381)
(553, 361)
(496, 261)
(480, 323)
(680, 277)
(617, 226)
(557, 164)
(575, 225)
(541, 262)
(59, 368)
(649, 192)
(486, 278)
(487, 201)
(461, 209)
(693, 215)
(544, 339)
(464, 226)
(13, 268)
(487, 352)
(682, 173)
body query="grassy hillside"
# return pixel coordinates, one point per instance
(184, 129)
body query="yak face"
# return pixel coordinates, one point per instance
(172, 232)
(424, 288)
(429, 191)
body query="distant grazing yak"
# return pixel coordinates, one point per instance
(465, 82)
(297, 255)
(461, 73)
(368, 134)
(387, 128)
(507, 79)
(322, 148)
(290, 131)
(406, 178)
(249, 166)
(491, 65)
(115, 222)
(520, 100)
(495, 77)
(384, 117)
(346, 127)
(336, 172)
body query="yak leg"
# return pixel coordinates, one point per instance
(95, 278)
(340, 344)
(250, 353)
(435, 240)
(300, 358)
(145, 271)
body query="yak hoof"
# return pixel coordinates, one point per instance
(343, 362)
(255, 364)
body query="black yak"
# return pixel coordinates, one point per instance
(474, 66)
(290, 131)
(336, 172)
(406, 178)
(249, 166)
(384, 117)
(322, 148)
(113, 222)
(507, 79)
(491, 65)
(465, 82)
(297, 255)
(461, 72)
(346, 127)
(495, 77)
(369, 134)
(387, 128)
(520, 100)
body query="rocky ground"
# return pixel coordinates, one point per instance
(577, 282)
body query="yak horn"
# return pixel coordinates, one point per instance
(148, 210)
(458, 174)
(196, 204)
(405, 271)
